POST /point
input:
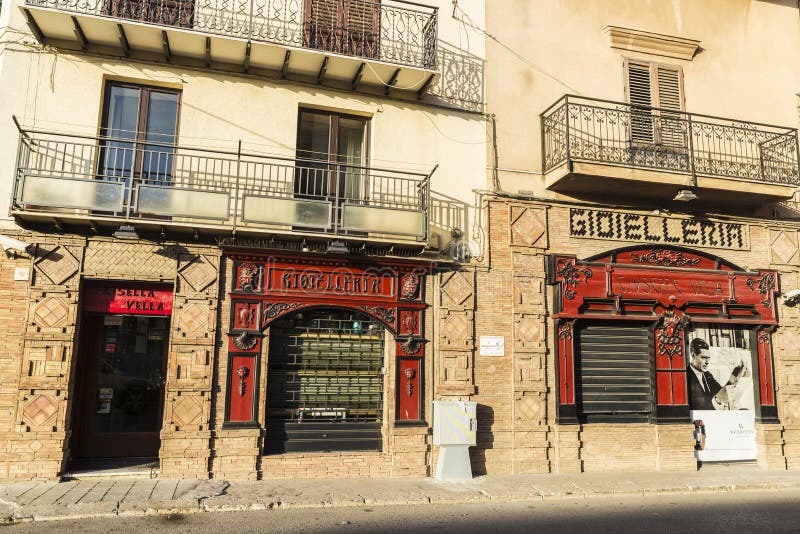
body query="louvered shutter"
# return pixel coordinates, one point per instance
(615, 375)
(323, 25)
(640, 94)
(362, 20)
(671, 127)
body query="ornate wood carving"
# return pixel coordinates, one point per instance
(763, 284)
(409, 374)
(387, 315)
(665, 258)
(273, 309)
(565, 330)
(248, 276)
(572, 276)
(247, 315)
(245, 341)
(411, 345)
(409, 286)
(763, 336)
(242, 372)
(669, 334)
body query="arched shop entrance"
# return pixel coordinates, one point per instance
(665, 334)
(325, 382)
(322, 324)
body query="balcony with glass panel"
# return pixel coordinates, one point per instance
(598, 148)
(352, 43)
(106, 182)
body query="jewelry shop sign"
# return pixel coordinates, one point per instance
(621, 226)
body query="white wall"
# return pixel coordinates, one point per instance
(62, 91)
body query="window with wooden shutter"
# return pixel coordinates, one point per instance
(649, 86)
(343, 26)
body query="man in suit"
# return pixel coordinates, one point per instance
(705, 393)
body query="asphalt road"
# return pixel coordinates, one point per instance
(745, 512)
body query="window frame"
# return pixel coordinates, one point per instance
(139, 141)
(655, 110)
(332, 159)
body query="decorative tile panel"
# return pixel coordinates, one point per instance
(528, 227)
(456, 330)
(193, 319)
(40, 412)
(528, 292)
(192, 368)
(51, 312)
(458, 290)
(531, 407)
(58, 265)
(197, 271)
(114, 259)
(784, 247)
(455, 366)
(187, 410)
(528, 331)
(45, 362)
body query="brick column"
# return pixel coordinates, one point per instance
(185, 437)
(528, 238)
(38, 440)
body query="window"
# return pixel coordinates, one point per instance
(344, 26)
(138, 134)
(614, 370)
(652, 85)
(178, 13)
(332, 156)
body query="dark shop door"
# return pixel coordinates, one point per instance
(120, 386)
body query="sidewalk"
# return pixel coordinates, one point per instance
(103, 497)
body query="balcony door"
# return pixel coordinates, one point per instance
(178, 13)
(138, 132)
(344, 26)
(332, 158)
(656, 86)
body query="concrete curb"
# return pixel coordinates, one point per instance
(13, 513)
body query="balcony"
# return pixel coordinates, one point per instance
(595, 148)
(102, 183)
(385, 43)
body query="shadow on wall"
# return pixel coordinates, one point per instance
(461, 82)
(485, 440)
(449, 220)
(787, 210)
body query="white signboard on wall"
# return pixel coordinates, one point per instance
(492, 346)
(730, 435)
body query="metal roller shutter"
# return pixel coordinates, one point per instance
(615, 372)
(325, 382)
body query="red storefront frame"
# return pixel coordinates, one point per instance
(671, 287)
(267, 287)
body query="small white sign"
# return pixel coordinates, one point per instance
(22, 274)
(492, 346)
(730, 435)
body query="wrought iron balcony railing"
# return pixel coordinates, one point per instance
(394, 31)
(615, 133)
(115, 179)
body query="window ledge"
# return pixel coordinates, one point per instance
(651, 43)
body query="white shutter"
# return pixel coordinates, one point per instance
(658, 86)
(640, 94)
(672, 126)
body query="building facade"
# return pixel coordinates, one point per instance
(228, 230)
(642, 220)
(259, 240)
